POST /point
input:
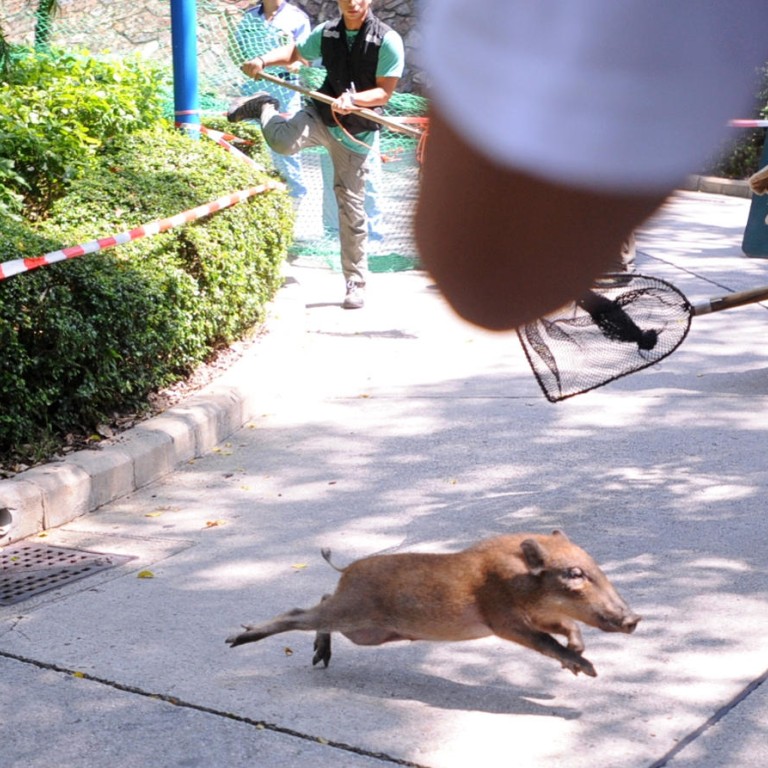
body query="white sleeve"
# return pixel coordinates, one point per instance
(604, 94)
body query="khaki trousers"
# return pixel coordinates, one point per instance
(288, 135)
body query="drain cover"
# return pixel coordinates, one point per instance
(29, 569)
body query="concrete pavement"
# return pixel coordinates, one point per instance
(399, 428)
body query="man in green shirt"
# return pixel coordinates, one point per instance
(364, 60)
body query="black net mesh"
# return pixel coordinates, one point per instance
(625, 323)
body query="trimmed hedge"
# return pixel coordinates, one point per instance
(87, 337)
(57, 107)
(740, 157)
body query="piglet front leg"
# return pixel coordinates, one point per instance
(570, 658)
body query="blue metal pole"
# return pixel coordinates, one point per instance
(184, 45)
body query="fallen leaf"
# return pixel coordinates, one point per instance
(299, 566)
(153, 514)
(214, 523)
(78, 674)
(288, 651)
(145, 575)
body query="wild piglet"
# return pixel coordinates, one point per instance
(523, 587)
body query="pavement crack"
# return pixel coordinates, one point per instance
(13, 626)
(257, 724)
(711, 721)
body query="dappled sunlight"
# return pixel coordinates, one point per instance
(677, 228)
(237, 574)
(601, 410)
(660, 476)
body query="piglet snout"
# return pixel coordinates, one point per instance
(625, 621)
(630, 622)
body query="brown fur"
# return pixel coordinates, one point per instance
(523, 588)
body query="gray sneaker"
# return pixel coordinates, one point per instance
(250, 109)
(355, 298)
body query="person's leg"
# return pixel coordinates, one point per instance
(289, 167)
(330, 209)
(350, 169)
(285, 135)
(373, 185)
(625, 262)
(627, 255)
(289, 135)
(373, 211)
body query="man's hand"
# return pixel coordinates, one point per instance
(344, 104)
(253, 68)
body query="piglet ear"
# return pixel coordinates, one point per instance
(533, 555)
(559, 533)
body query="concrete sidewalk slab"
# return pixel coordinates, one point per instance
(400, 428)
(734, 736)
(73, 721)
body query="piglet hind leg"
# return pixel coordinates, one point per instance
(322, 648)
(322, 644)
(364, 636)
(298, 618)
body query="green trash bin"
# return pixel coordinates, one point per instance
(755, 242)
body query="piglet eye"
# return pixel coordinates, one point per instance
(574, 573)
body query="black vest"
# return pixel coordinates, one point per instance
(345, 66)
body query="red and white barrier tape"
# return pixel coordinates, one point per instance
(17, 266)
(223, 139)
(748, 123)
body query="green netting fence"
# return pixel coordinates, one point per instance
(227, 36)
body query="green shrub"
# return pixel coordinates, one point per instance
(82, 339)
(56, 110)
(740, 157)
(93, 335)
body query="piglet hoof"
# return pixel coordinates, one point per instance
(322, 649)
(580, 665)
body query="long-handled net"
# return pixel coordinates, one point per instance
(624, 323)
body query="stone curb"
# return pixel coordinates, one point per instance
(56, 493)
(718, 186)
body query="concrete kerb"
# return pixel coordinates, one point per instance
(56, 493)
(718, 186)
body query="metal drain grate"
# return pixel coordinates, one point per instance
(29, 569)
